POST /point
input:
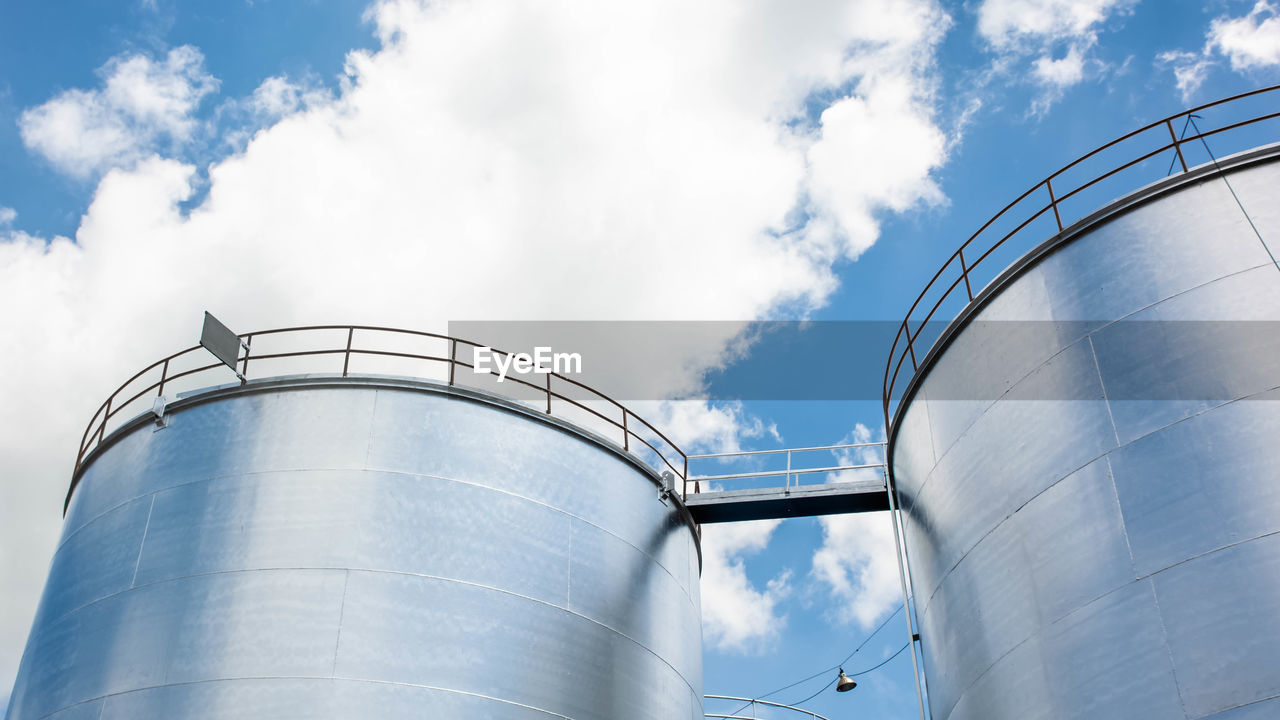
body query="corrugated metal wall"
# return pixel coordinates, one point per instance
(365, 548)
(1093, 507)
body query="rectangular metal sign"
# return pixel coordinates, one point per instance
(220, 340)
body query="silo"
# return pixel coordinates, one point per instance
(365, 546)
(1087, 460)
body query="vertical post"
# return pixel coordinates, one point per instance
(106, 414)
(164, 374)
(964, 270)
(549, 392)
(1053, 201)
(626, 433)
(787, 487)
(1177, 144)
(346, 356)
(910, 347)
(902, 578)
(453, 358)
(244, 371)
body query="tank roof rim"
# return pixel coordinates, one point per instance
(214, 393)
(1261, 155)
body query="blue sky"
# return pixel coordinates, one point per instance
(306, 162)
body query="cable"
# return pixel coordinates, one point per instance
(822, 672)
(1216, 166)
(886, 662)
(863, 672)
(824, 689)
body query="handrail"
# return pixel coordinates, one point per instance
(808, 713)
(791, 469)
(904, 346)
(673, 460)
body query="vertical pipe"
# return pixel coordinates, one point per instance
(902, 579)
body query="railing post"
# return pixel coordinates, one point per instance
(549, 392)
(1177, 144)
(626, 434)
(453, 358)
(244, 371)
(787, 485)
(964, 270)
(106, 415)
(346, 356)
(1053, 201)
(910, 347)
(164, 374)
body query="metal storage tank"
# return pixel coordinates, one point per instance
(1091, 497)
(329, 546)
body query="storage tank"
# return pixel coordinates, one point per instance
(341, 547)
(1087, 458)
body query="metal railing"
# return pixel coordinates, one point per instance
(792, 470)
(637, 437)
(755, 706)
(958, 271)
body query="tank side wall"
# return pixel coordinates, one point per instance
(386, 551)
(1085, 542)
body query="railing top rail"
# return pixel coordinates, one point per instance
(671, 458)
(781, 473)
(744, 453)
(903, 363)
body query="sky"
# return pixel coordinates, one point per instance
(412, 164)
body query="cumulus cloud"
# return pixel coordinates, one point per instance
(491, 160)
(857, 561)
(1190, 70)
(738, 616)
(1062, 72)
(7, 216)
(142, 103)
(1249, 43)
(1027, 24)
(1055, 37)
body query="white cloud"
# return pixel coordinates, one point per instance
(141, 103)
(1056, 36)
(736, 615)
(1249, 42)
(493, 160)
(887, 130)
(1189, 70)
(1062, 72)
(698, 426)
(7, 216)
(857, 561)
(1023, 24)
